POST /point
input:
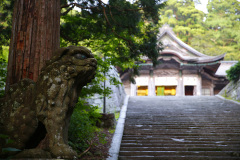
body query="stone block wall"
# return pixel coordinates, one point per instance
(232, 90)
(116, 98)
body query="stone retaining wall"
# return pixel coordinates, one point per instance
(232, 90)
(115, 100)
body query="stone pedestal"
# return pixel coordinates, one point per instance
(107, 120)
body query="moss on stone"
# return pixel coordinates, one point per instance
(49, 101)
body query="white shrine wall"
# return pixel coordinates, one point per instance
(168, 77)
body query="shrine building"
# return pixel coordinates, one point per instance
(182, 71)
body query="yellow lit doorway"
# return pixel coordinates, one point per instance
(165, 90)
(142, 90)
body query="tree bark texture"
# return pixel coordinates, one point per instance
(35, 36)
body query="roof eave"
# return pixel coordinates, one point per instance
(212, 59)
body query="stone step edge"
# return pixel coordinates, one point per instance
(179, 153)
(179, 148)
(177, 158)
(117, 137)
(233, 101)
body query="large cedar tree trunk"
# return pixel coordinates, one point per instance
(35, 35)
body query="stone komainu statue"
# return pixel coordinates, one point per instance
(37, 115)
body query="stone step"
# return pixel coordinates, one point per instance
(186, 120)
(132, 132)
(173, 157)
(177, 148)
(181, 114)
(212, 138)
(177, 123)
(178, 145)
(182, 126)
(182, 141)
(179, 140)
(179, 153)
(212, 130)
(183, 119)
(185, 146)
(220, 143)
(181, 130)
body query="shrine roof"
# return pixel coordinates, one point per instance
(224, 66)
(204, 59)
(173, 45)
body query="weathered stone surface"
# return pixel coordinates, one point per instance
(107, 120)
(232, 90)
(33, 153)
(36, 115)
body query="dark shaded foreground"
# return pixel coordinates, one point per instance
(181, 128)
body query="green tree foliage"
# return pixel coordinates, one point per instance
(223, 23)
(214, 33)
(233, 74)
(118, 33)
(6, 7)
(221, 30)
(83, 126)
(119, 30)
(185, 19)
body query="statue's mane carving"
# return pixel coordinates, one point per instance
(48, 103)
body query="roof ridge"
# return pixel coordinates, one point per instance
(166, 29)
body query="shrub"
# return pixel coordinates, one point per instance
(234, 72)
(83, 126)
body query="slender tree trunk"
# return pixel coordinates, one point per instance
(35, 35)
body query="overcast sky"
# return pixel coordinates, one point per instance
(202, 6)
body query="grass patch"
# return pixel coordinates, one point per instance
(111, 131)
(229, 98)
(117, 115)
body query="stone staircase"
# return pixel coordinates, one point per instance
(181, 128)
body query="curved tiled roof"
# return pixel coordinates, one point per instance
(205, 59)
(200, 57)
(224, 66)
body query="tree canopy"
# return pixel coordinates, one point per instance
(5, 24)
(213, 33)
(124, 31)
(119, 30)
(223, 24)
(185, 19)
